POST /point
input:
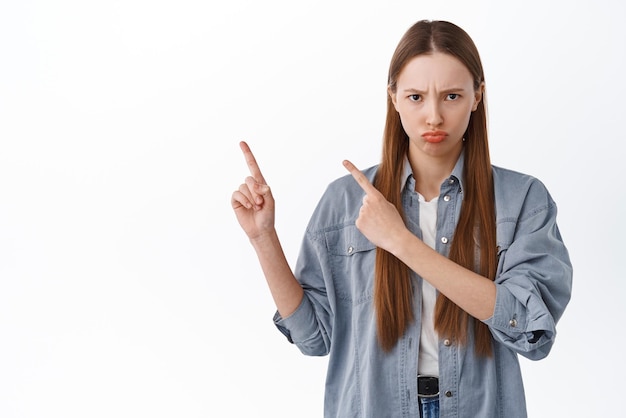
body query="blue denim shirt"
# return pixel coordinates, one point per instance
(336, 316)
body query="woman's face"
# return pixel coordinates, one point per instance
(435, 97)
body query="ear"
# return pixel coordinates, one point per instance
(478, 95)
(393, 97)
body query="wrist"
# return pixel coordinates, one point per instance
(403, 242)
(263, 239)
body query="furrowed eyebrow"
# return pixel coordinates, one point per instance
(446, 91)
(415, 91)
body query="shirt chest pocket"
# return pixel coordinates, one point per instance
(352, 259)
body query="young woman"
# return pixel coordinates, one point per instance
(425, 276)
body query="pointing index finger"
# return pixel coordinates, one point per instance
(255, 171)
(360, 177)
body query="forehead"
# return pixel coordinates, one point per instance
(438, 69)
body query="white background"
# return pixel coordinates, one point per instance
(127, 288)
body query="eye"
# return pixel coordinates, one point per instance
(452, 96)
(415, 97)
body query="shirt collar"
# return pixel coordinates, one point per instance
(407, 172)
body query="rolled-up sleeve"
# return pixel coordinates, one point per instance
(302, 328)
(534, 279)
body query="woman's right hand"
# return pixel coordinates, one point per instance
(254, 207)
(253, 202)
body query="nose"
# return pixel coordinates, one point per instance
(434, 117)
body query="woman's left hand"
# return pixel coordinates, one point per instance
(378, 219)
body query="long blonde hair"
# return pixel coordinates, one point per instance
(476, 229)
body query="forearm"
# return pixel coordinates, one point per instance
(474, 293)
(285, 289)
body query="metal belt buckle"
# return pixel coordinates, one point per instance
(427, 386)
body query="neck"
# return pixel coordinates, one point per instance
(430, 172)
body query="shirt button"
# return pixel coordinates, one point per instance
(513, 322)
(350, 250)
(444, 240)
(448, 394)
(446, 342)
(451, 181)
(446, 198)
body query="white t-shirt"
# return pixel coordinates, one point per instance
(428, 363)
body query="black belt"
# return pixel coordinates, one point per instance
(427, 386)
